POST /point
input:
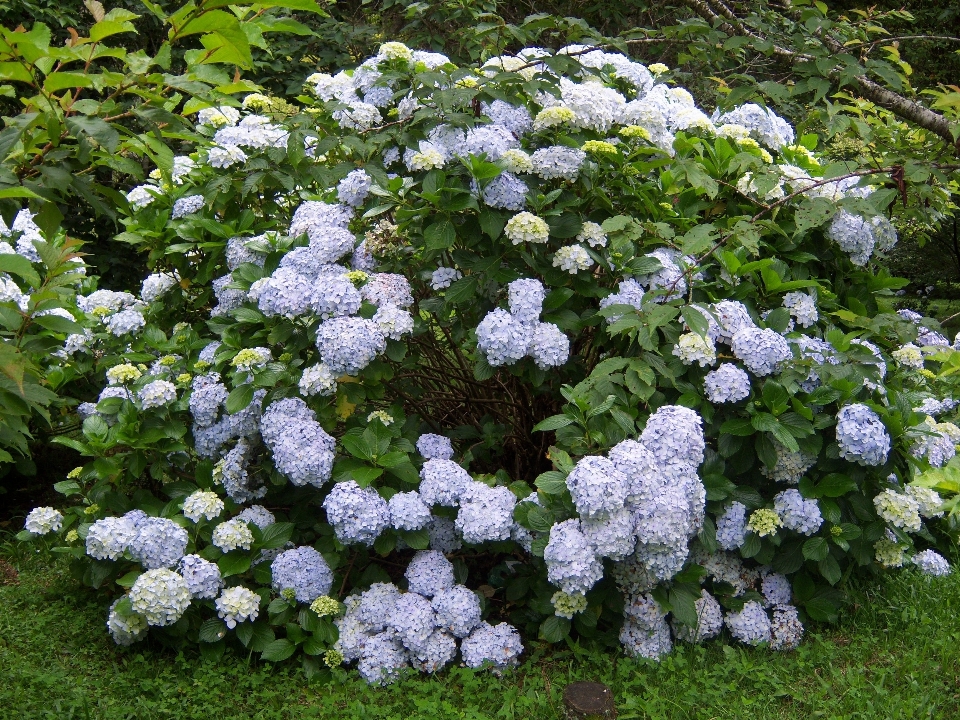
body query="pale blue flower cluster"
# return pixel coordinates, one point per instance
(202, 577)
(358, 515)
(408, 511)
(348, 344)
(709, 620)
(159, 543)
(798, 513)
(629, 292)
(861, 435)
(776, 589)
(859, 237)
(762, 351)
(727, 384)
(43, 520)
(443, 277)
(645, 631)
(432, 446)
(187, 205)
(764, 125)
(506, 192)
(486, 513)
(354, 188)
(258, 515)
(443, 482)
(302, 450)
(505, 337)
(303, 570)
(931, 562)
(558, 162)
(751, 625)
(126, 629)
(732, 526)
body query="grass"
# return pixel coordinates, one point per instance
(894, 655)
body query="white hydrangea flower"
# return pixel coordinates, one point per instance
(694, 348)
(202, 504)
(527, 227)
(572, 259)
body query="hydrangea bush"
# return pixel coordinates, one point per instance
(542, 326)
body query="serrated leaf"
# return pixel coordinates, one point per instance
(234, 563)
(816, 549)
(555, 422)
(278, 650)
(239, 398)
(554, 629)
(276, 535)
(552, 482)
(213, 630)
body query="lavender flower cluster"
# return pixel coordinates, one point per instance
(385, 630)
(506, 337)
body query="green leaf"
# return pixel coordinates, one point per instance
(834, 485)
(822, 609)
(554, 422)
(129, 579)
(554, 629)
(278, 650)
(830, 570)
(813, 213)
(740, 427)
(440, 236)
(97, 128)
(19, 265)
(683, 604)
(751, 546)
(58, 324)
(234, 563)
(67, 487)
(276, 535)
(552, 482)
(417, 539)
(239, 398)
(816, 549)
(462, 290)
(213, 630)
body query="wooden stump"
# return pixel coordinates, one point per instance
(588, 701)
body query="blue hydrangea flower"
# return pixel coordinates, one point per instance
(862, 436)
(798, 513)
(726, 384)
(159, 543)
(201, 576)
(433, 446)
(348, 344)
(751, 625)
(358, 515)
(732, 526)
(408, 511)
(762, 351)
(458, 610)
(572, 564)
(486, 513)
(499, 645)
(355, 187)
(304, 571)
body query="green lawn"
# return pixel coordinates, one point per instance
(894, 655)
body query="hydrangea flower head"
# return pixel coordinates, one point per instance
(161, 596)
(931, 562)
(232, 535)
(43, 520)
(526, 227)
(764, 522)
(303, 570)
(358, 515)
(202, 504)
(238, 604)
(862, 436)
